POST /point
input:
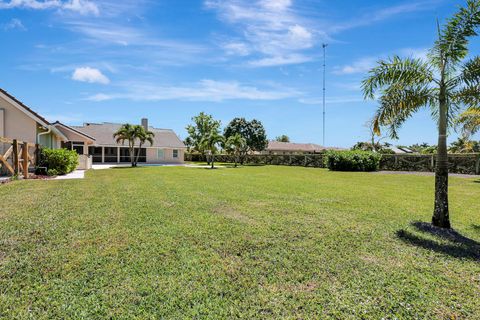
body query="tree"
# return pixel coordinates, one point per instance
(282, 138)
(143, 136)
(469, 121)
(464, 145)
(234, 146)
(127, 132)
(441, 82)
(252, 131)
(210, 143)
(202, 126)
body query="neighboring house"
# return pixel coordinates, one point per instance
(400, 150)
(17, 121)
(276, 147)
(93, 142)
(97, 140)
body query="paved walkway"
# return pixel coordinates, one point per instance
(77, 174)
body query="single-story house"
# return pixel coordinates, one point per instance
(94, 142)
(276, 147)
(97, 140)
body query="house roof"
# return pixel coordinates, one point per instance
(59, 124)
(19, 104)
(103, 135)
(295, 147)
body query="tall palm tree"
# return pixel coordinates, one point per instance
(234, 145)
(470, 121)
(143, 137)
(211, 143)
(127, 132)
(442, 82)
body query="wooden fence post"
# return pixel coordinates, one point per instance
(37, 155)
(25, 160)
(16, 160)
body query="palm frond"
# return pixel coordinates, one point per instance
(398, 103)
(396, 70)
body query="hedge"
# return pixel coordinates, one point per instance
(352, 160)
(58, 161)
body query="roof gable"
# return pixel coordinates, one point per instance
(22, 107)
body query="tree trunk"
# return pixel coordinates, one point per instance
(213, 159)
(441, 216)
(138, 154)
(132, 155)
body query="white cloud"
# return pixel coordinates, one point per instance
(271, 29)
(386, 13)
(14, 24)
(91, 75)
(364, 64)
(280, 60)
(236, 48)
(360, 66)
(83, 7)
(205, 90)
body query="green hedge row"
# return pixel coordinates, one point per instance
(352, 160)
(58, 161)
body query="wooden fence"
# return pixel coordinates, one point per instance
(458, 163)
(17, 157)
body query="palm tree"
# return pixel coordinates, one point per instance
(210, 143)
(234, 145)
(442, 82)
(470, 121)
(143, 135)
(127, 132)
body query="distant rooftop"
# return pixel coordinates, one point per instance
(297, 147)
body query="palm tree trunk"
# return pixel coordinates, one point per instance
(441, 216)
(213, 159)
(132, 154)
(138, 154)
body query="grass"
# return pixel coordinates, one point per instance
(251, 242)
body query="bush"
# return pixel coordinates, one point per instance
(352, 160)
(58, 161)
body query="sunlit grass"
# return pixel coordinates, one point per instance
(253, 242)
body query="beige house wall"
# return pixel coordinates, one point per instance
(16, 124)
(154, 156)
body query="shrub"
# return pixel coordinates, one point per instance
(352, 160)
(58, 161)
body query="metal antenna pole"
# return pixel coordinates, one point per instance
(324, 45)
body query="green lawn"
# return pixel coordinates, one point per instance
(252, 242)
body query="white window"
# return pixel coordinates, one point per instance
(175, 154)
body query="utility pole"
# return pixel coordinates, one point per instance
(324, 45)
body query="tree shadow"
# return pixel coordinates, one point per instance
(476, 227)
(476, 181)
(458, 246)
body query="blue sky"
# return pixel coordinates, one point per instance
(117, 61)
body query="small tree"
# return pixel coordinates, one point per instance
(203, 125)
(282, 138)
(443, 83)
(143, 137)
(127, 132)
(210, 143)
(469, 121)
(252, 131)
(234, 146)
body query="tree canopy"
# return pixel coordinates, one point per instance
(252, 131)
(203, 125)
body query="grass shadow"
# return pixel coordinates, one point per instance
(457, 246)
(476, 227)
(476, 181)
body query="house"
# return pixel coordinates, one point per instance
(97, 140)
(276, 147)
(94, 142)
(17, 121)
(400, 150)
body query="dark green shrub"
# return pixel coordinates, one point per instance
(58, 161)
(352, 160)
